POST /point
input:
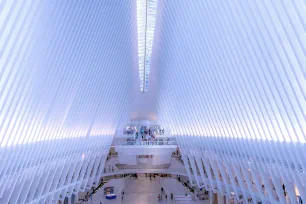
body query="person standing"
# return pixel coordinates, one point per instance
(284, 188)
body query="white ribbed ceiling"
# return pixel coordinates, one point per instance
(234, 69)
(232, 89)
(228, 77)
(64, 69)
(65, 77)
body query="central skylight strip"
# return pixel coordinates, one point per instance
(146, 17)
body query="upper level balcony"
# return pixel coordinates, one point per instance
(139, 141)
(143, 142)
(144, 135)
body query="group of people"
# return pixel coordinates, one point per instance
(149, 135)
(144, 130)
(162, 194)
(130, 130)
(152, 176)
(178, 155)
(122, 194)
(145, 134)
(152, 130)
(109, 169)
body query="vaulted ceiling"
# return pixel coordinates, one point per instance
(65, 68)
(220, 73)
(233, 69)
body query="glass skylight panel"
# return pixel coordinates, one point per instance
(146, 16)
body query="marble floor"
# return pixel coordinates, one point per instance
(136, 191)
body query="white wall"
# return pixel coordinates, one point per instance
(161, 159)
(127, 159)
(146, 149)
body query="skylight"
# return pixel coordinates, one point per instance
(146, 16)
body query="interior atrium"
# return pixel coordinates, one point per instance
(152, 101)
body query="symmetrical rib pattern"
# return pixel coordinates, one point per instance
(64, 77)
(232, 88)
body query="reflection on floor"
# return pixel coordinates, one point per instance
(136, 191)
(142, 191)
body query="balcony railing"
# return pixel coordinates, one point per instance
(146, 143)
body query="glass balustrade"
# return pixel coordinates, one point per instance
(137, 142)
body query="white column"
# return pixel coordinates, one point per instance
(220, 198)
(210, 196)
(226, 199)
(69, 200)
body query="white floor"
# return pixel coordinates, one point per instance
(136, 191)
(141, 191)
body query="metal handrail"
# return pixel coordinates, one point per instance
(146, 143)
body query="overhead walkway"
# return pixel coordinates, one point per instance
(175, 167)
